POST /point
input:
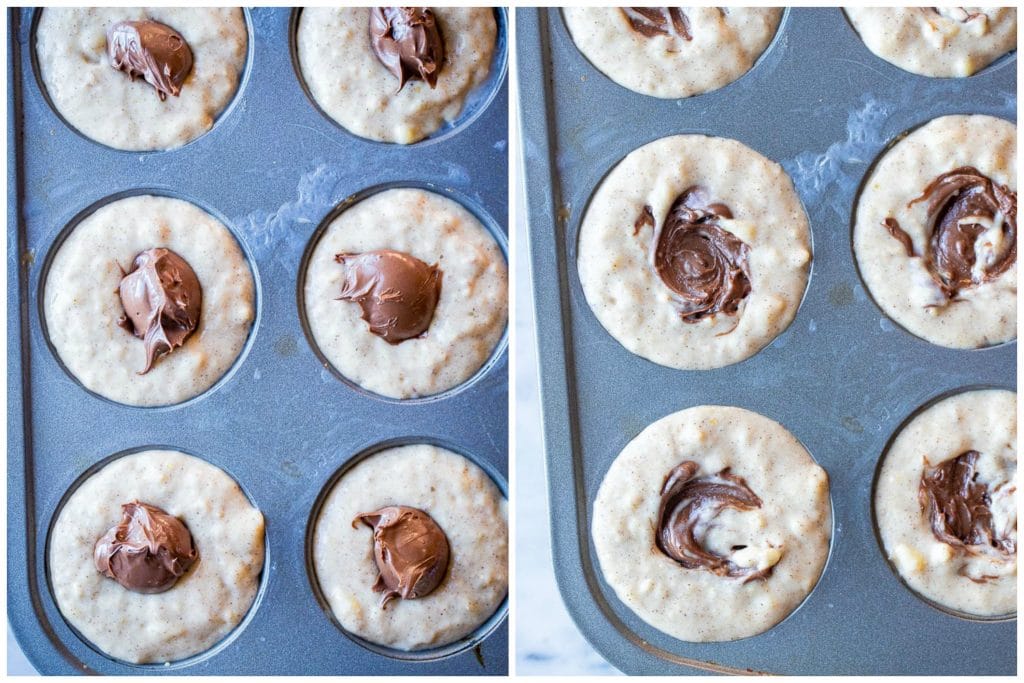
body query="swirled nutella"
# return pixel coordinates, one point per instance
(408, 41)
(147, 551)
(958, 508)
(935, 233)
(972, 224)
(162, 300)
(410, 550)
(152, 50)
(689, 505)
(397, 292)
(945, 503)
(695, 549)
(705, 266)
(659, 21)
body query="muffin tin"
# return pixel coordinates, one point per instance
(272, 168)
(842, 378)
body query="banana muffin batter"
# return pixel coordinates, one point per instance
(411, 548)
(713, 524)
(672, 52)
(937, 41)
(395, 74)
(156, 557)
(406, 293)
(138, 78)
(148, 301)
(694, 252)
(936, 231)
(946, 503)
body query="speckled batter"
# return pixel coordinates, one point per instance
(471, 313)
(82, 305)
(982, 314)
(351, 85)
(790, 531)
(468, 507)
(205, 604)
(937, 41)
(725, 43)
(615, 265)
(983, 421)
(107, 106)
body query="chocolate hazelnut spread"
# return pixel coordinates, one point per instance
(645, 218)
(705, 266)
(410, 550)
(396, 291)
(659, 21)
(962, 205)
(408, 41)
(162, 300)
(958, 506)
(152, 50)
(688, 507)
(147, 551)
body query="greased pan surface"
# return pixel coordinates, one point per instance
(272, 168)
(843, 378)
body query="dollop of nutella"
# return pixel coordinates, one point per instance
(162, 299)
(410, 550)
(659, 21)
(147, 551)
(408, 41)
(958, 506)
(705, 266)
(152, 50)
(962, 206)
(688, 506)
(397, 292)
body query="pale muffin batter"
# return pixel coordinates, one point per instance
(627, 217)
(82, 305)
(471, 312)
(672, 52)
(106, 105)
(974, 578)
(937, 41)
(355, 89)
(204, 605)
(461, 499)
(953, 171)
(774, 549)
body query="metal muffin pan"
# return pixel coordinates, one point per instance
(281, 423)
(842, 378)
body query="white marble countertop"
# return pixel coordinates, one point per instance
(17, 664)
(547, 640)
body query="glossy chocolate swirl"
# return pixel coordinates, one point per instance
(397, 292)
(688, 506)
(162, 300)
(147, 551)
(659, 21)
(152, 50)
(958, 506)
(408, 41)
(962, 205)
(410, 550)
(705, 266)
